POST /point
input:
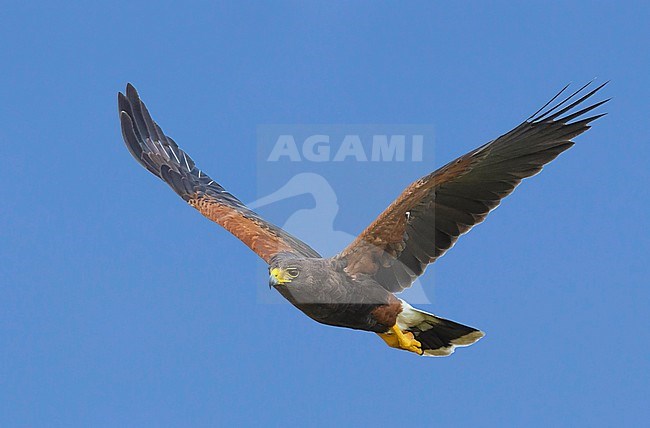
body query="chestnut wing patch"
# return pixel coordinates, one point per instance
(161, 156)
(429, 216)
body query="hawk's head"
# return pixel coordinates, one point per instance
(305, 280)
(284, 269)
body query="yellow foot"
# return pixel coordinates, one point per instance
(395, 338)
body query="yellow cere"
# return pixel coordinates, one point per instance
(280, 275)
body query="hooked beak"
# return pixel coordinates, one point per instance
(278, 277)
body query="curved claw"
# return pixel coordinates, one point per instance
(411, 344)
(396, 338)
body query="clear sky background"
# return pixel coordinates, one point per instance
(121, 306)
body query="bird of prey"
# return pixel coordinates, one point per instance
(356, 288)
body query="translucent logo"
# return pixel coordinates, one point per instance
(321, 148)
(318, 181)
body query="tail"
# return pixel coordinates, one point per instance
(438, 336)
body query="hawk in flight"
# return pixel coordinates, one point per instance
(356, 288)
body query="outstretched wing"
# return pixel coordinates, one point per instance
(428, 217)
(160, 155)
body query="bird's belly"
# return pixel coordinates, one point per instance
(346, 305)
(355, 316)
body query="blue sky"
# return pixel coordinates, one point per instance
(121, 306)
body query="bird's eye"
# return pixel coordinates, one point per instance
(293, 272)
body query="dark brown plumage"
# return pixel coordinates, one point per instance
(355, 288)
(396, 247)
(162, 156)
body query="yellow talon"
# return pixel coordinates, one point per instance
(402, 340)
